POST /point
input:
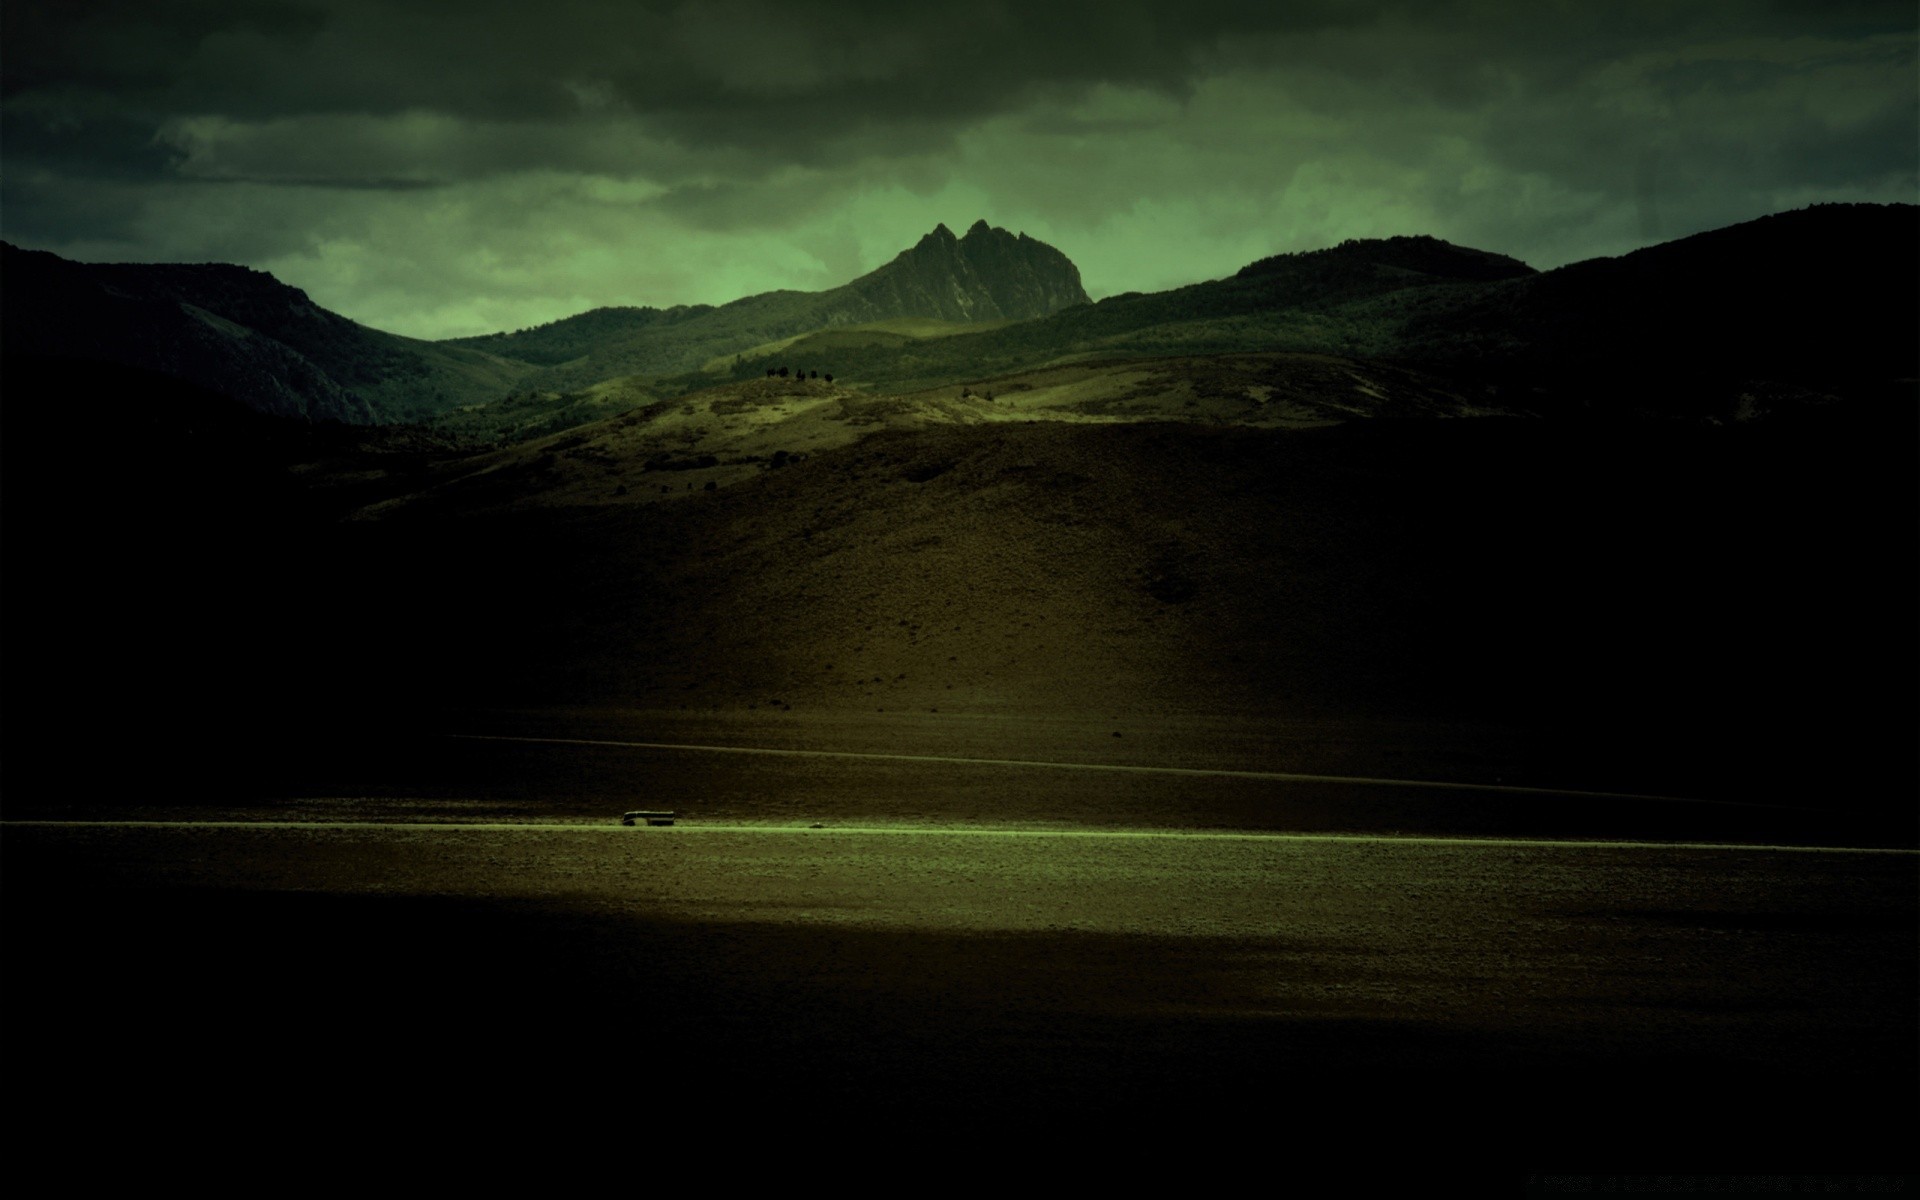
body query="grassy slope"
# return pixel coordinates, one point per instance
(729, 433)
(824, 344)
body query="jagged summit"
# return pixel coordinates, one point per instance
(988, 275)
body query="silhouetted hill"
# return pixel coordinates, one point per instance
(1792, 308)
(1360, 265)
(238, 332)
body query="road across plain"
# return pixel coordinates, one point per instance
(938, 831)
(1120, 768)
(737, 780)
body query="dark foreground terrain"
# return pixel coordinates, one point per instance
(1720, 613)
(1494, 1006)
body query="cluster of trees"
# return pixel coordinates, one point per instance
(797, 373)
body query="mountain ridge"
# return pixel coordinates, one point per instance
(1800, 308)
(989, 275)
(238, 332)
(1797, 308)
(244, 333)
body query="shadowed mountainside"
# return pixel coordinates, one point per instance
(244, 334)
(1685, 609)
(237, 332)
(1796, 308)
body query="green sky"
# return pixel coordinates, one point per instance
(438, 168)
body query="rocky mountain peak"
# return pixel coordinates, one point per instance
(989, 275)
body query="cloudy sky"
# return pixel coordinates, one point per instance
(444, 167)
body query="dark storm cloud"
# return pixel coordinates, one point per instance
(809, 82)
(502, 58)
(797, 81)
(107, 145)
(377, 141)
(129, 46)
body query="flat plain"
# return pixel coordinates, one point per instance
(825, 945)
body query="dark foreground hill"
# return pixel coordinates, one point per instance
(1795, 308)
(1720, 612)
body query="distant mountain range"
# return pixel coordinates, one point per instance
(1791, 309)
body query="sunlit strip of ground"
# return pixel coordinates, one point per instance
(912, 830)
